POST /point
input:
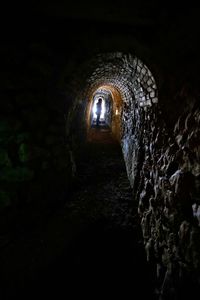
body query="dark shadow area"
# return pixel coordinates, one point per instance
(101, 262)
(68, 221)
(93, 244)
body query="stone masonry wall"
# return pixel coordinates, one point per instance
(169, 199)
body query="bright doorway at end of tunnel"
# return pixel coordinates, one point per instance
(110, 115)
(101, 108)
(98, 112)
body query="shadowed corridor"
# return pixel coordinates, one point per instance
(103, 255)
(114, 210)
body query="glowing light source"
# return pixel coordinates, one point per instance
(103, 109)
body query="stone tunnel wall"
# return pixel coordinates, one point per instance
(163, 168)
(143, 97)
(168, 195)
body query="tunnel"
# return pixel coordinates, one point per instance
(133, 93)
(108, 207)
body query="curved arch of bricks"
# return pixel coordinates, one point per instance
(126, 73)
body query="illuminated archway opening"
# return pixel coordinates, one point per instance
(133, 94)
(111, 109)
(94, 110)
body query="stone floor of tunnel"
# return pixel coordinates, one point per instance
(93, 245)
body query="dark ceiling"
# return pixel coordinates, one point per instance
(143, 13)
(170, 26)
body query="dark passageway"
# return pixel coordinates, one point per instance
(104, 254)
(105, 257)
(102, 209)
